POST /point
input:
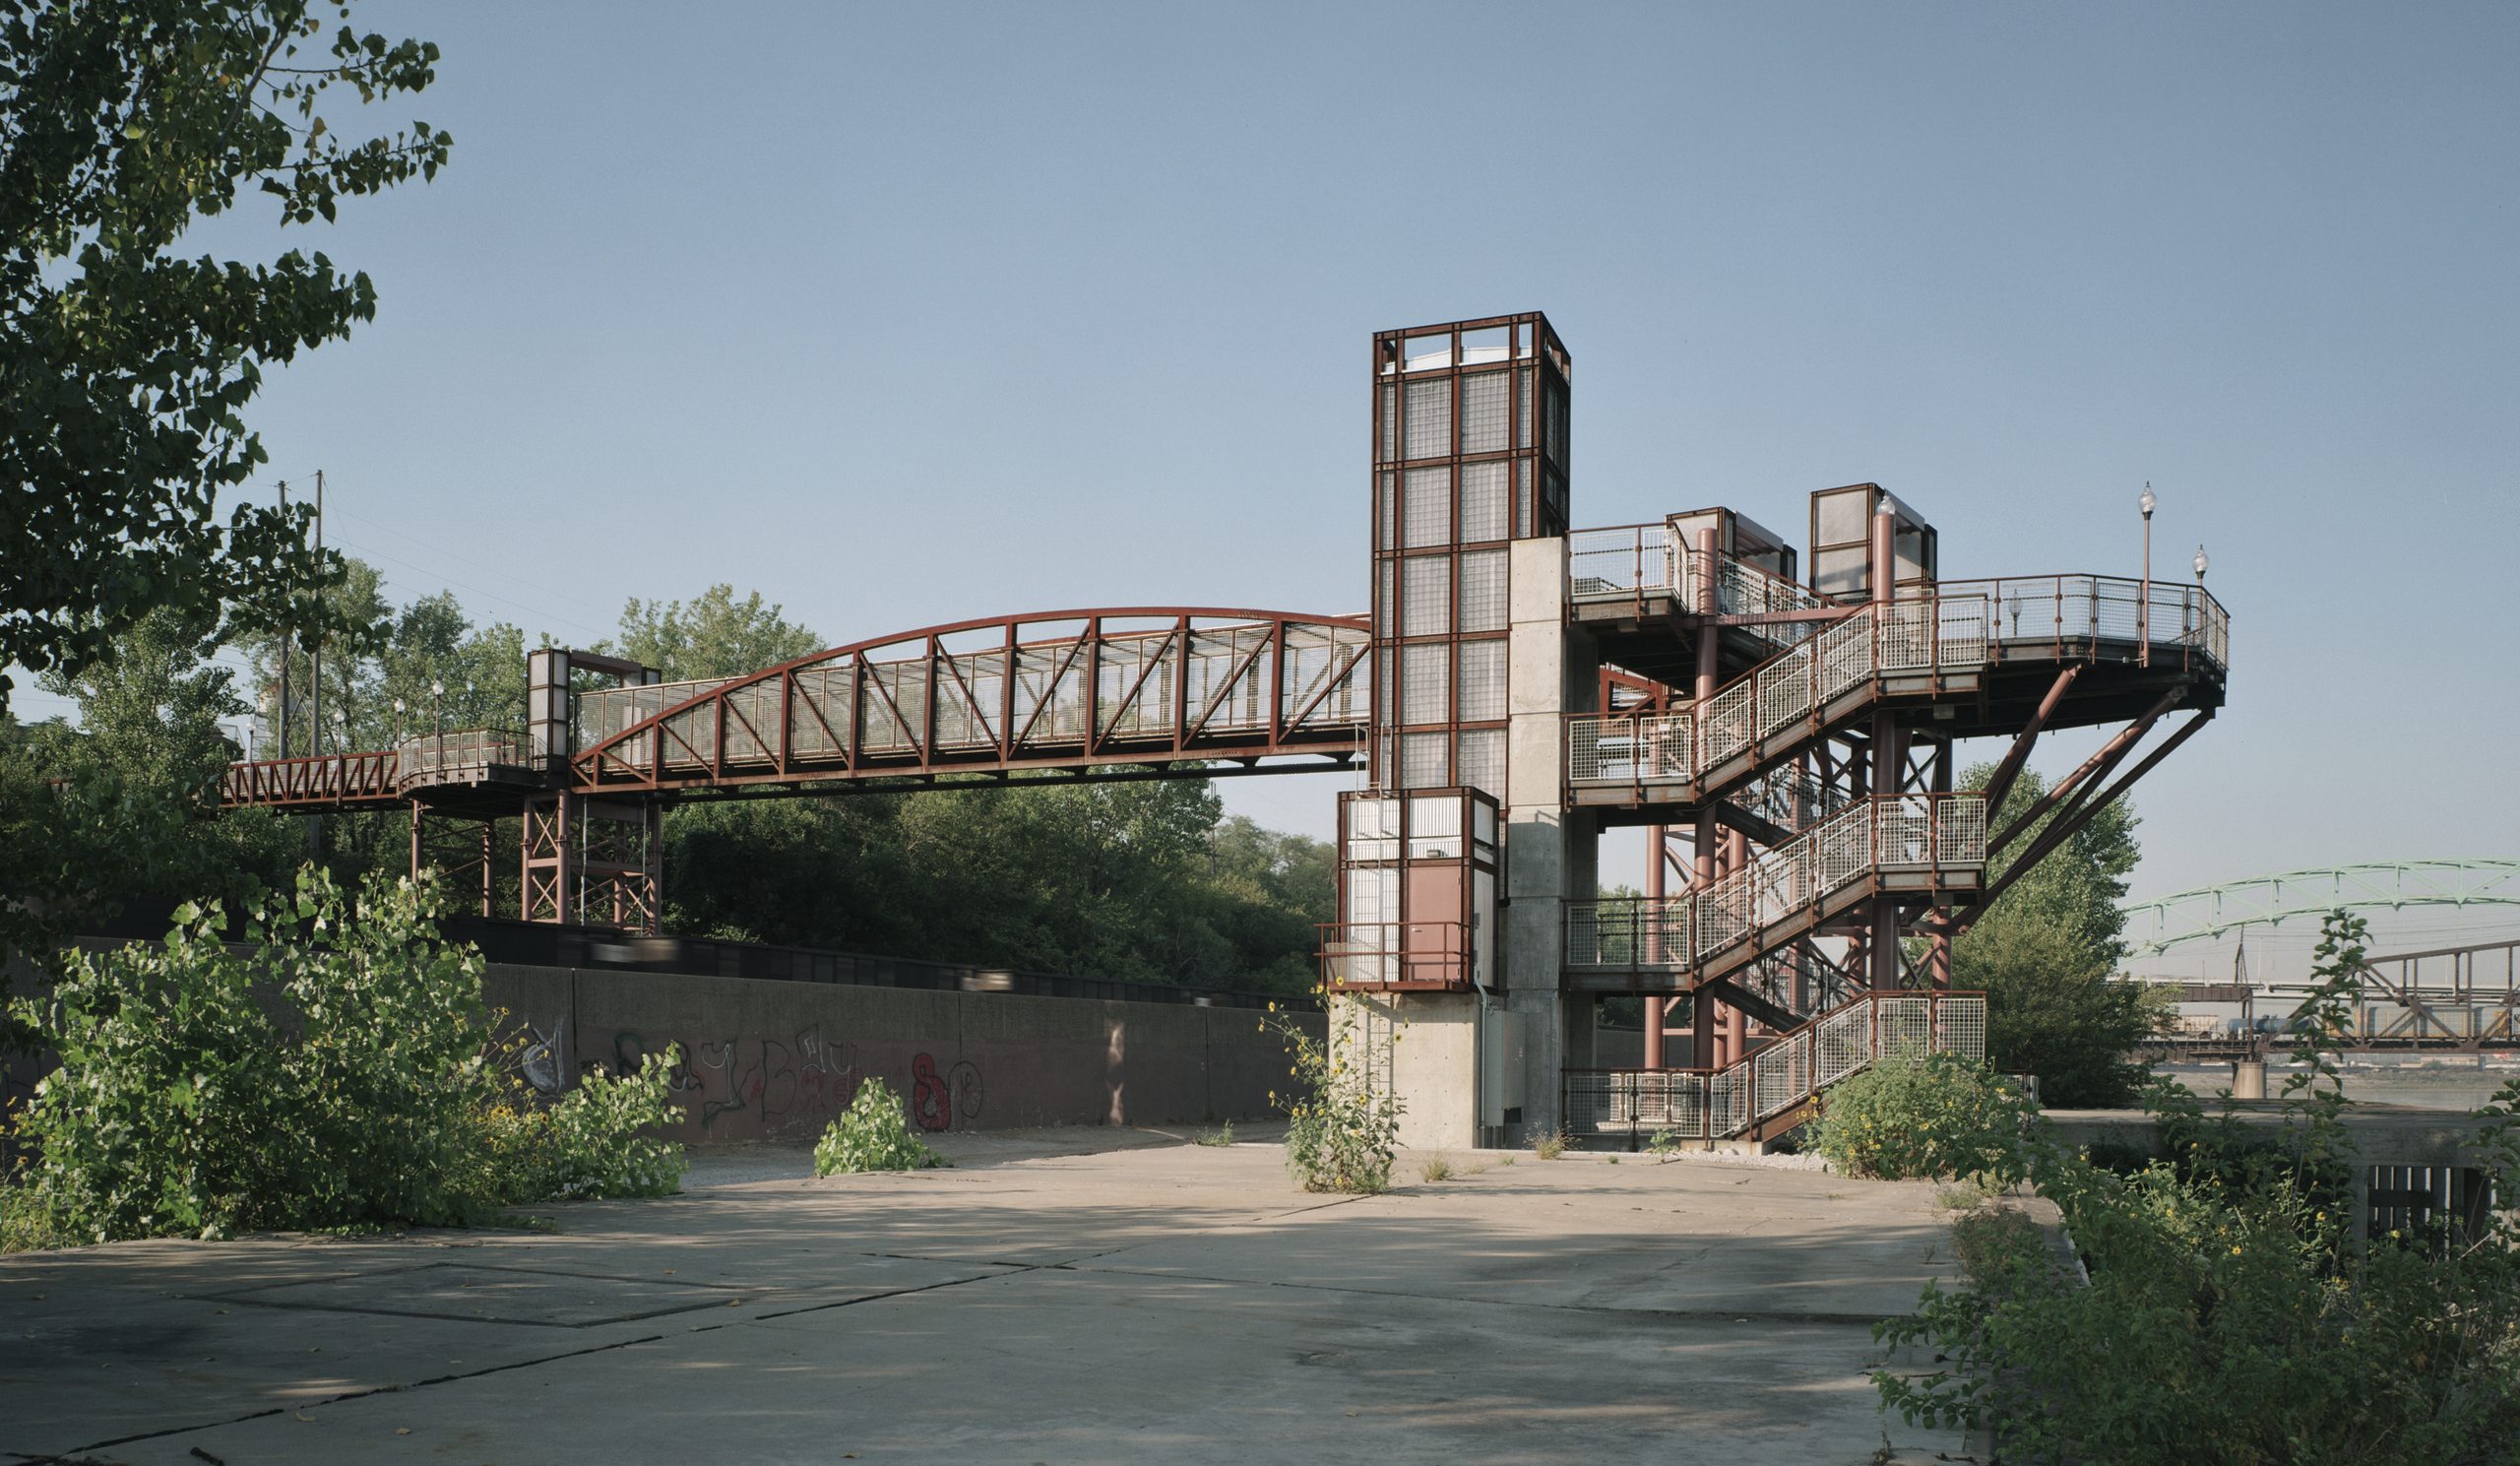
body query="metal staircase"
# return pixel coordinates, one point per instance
(1772, 1090)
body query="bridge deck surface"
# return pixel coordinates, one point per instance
(1156, 1302)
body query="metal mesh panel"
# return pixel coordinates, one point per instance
(818, 715)
(1960, 835)
(1421, 760)
(1785, 690)
(1390, 421)
(1482, 680)
(1523, 421)
(1629, 933)
(1841, 1043)
(1484, 412)
(1481, 761)
(1960, 1025)
(1902, 1023)
(1727, 1101)
(1425, 673)
(1486, 505)
(1483, 589)
(1726, 726)
(1430, 429)
(1425, 595)
(1627, 747)
(1620, 562)
(1782, 1074)
(1427, 508)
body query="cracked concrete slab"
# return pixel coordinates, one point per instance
(1165, 1304)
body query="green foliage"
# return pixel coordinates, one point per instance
(124, 368)
(2228, 1316)
(1342, 1134)
(1221, 1136)
(872, 1134)
(1664, 1143)
(1434, 1169)
(714, 635)
(2043, 953)
(1909, 1116)
(338, 1070)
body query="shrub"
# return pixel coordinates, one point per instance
(1548, 1145)
(1434, 1169)
(1915, 1114)
(2228, 1316)
(1664, 1143)
(872, 1134)
(1221, 1135)
(340, 1072)
(1340, 1134)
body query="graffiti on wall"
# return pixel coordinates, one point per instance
(768, 1085)
(938, 1100)
(775, 1083)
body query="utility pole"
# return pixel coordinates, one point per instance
(315, 645)
(286, 616)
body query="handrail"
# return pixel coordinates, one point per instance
(1891, 832)
(1715, 1104)
(1383, 954)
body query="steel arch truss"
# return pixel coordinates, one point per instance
(2211, 912)
(1058, 691)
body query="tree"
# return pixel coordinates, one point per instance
(125, 370)
(713, 636)
(2045, 953)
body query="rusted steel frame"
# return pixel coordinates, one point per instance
(786, 719)
(927, 713)
(1092, 687)
(2103, 758)
(1014, 654)
(727, 709)
(2085, 806)
(1330, 684)
(1278, 680)
(1233, 680)
(1095, 616)
(1126, 765)
(1768, 617)
(1050, 694)
(971, 699)
(2070, 821)
(866, 677)
(2030, 733)
(1145, 670)
(1181, 710)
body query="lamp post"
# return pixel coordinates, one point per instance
(437, 718)
(2202, 564)
(398, 719)
(2144, 603)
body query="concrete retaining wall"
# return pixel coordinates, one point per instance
(771, 1059)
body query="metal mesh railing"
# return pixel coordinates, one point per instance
(435, 757)
(1621, 563)
(1629, 933)
(1904, 637)
(1934, 832)
(1630, 747)
(2100, 615)
(1787, 1072)
(1209, 681)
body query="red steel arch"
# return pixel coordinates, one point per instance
(1042, 691)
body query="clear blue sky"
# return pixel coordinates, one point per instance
(908, 313)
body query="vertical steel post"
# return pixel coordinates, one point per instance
(1702, 1012)
(1888, 754)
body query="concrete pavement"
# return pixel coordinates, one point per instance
(1058, 1298)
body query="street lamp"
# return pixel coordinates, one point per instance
(437, 691)
(2144, 604)
(2202, 564)
(398, 719)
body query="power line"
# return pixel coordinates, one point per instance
(435, 548)
(541, 613)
